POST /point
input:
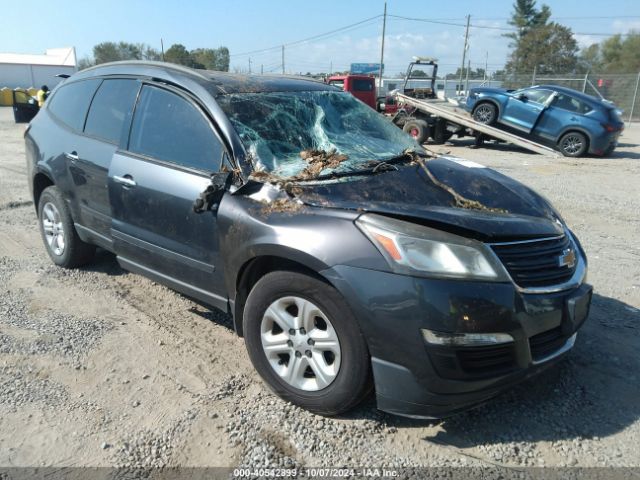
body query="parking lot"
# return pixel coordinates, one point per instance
(100, 367)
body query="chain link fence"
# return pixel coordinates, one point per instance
(621, 89)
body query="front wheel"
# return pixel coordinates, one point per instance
(573, 144)
(485, 113)
(305, 343)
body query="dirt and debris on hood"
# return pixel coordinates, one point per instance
(459, 200)
(281, 205)
(319, 160)
(275, 199)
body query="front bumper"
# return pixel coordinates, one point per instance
(415, 379)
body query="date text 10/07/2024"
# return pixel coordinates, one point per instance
(314, 472)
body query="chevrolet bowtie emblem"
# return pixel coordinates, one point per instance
(567, 259)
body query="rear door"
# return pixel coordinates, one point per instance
(564, 111)
(25, 107)
(523, 108)
(107, 121)
(172, 150)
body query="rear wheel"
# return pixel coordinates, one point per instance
(573, 144)
(305, 343)
(61, 240)
(418, 129)
(485, 113)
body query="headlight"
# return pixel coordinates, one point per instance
(414, 249)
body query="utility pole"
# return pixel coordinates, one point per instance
(384, 27)
(633, 102)
(486, 66)
(162, 48)
(464, 51)
(249, 65)
(466, 83)
(330, 67)
(261, 69)
(283, 59)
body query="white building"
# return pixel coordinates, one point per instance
(26, 70)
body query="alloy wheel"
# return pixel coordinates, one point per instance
(300, 343)
(572, 144)
(484, 114)
(53, 228)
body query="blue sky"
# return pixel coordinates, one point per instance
(245, 26)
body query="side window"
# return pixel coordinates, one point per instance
(71, 101)
(337, 83)
(362, 85)
(22, 97)
(110, 106)
(168, 127)
(571, 104)
(538, 96)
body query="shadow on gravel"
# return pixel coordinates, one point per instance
(507, 147)
(212, 314)
(593, 393)
(617, 154)
(488, 144)
(104, 262)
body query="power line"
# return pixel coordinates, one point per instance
(612, 17)
(489, 27)
(308, 39)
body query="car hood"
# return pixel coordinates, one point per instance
(494, 206)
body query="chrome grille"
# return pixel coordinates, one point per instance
(537, 262)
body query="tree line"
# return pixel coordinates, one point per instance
(549, 48)
(201, 58)
(537, 44)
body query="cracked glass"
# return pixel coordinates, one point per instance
(277, 127)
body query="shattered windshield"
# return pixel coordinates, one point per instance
(314, 133)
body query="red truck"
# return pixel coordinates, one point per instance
(363, 87)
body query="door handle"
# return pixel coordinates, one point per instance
(125, 180)
(73, 156)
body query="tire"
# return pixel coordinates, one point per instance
(59, 235)
(485, 113)
(342, 361)
(573, 144)
(440, 133)
(418, 129)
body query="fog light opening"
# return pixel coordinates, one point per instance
(464, 339)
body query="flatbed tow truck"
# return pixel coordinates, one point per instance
(422, 115)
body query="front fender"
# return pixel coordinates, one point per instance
(314, 237)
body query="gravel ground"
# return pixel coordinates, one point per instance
(100, 367)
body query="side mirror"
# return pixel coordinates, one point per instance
(523, 97)
(210, 198)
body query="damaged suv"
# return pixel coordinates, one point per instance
(348, 256)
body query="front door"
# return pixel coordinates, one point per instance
(25, 107)
(523, 108)
(172, 151)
